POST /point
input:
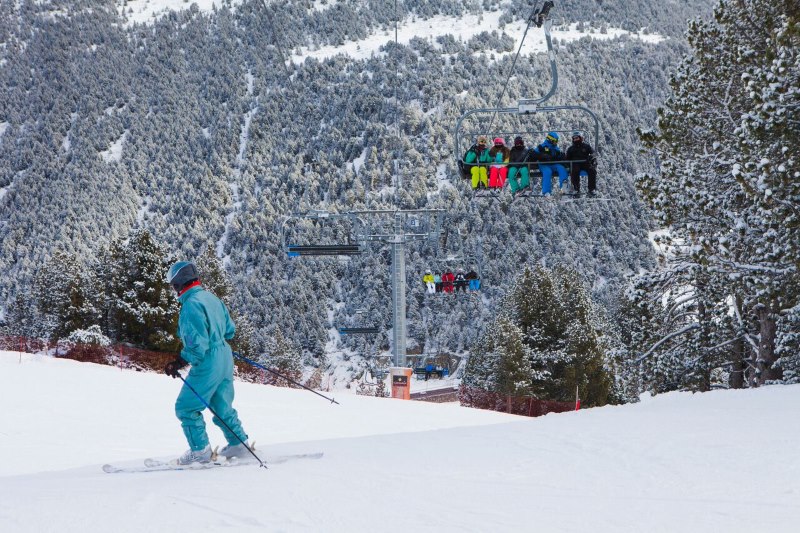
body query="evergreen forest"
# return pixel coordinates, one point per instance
(125, 146)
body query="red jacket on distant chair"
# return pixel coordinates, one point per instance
(447, 281)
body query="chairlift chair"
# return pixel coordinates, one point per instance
(368, 330)
(527, 112)
(289, 235)
(453, 252)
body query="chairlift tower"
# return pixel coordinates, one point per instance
(406, 226)
(395, 227)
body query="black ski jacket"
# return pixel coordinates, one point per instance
(581, 151)
(518, 155)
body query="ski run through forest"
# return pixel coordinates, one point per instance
(246, 135)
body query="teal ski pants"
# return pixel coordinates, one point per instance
(213, 380)
(524, 181)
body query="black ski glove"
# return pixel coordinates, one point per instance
(173, 366)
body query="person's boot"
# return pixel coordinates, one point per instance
(195, 456)
(234, 450)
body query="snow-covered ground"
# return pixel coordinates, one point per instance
(3, 127)
(114, 152)
(143, 11)
(464, 29)
(722, 461)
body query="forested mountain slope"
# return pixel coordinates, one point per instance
(198, 127)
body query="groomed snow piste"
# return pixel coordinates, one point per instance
(721, 461)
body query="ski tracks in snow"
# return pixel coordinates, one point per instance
(222, 518)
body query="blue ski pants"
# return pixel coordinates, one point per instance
(547, 176)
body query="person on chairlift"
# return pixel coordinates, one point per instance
(546, 154)
(476, 162)
(498, 172)
(582, 151)
(460, 281)
(437, 281)
(472, 279)
(518, 167)
(447, 281)
(427, 279)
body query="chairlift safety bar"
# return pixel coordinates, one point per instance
(525, 108)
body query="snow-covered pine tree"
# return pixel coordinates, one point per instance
(587, 369)
(768, 169)
(141, 305)
(498, 370)
(513, 378)
(61, 292)
(534, 305)
(480, 376)
(283, 356)
(545, 345)
(727, 193)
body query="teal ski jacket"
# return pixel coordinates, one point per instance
(203, 326)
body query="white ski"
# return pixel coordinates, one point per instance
(155, 465)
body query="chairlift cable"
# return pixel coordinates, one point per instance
(534, 12)
(398, 181)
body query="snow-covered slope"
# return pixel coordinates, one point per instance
(723, 461)
(144, 11)
(461, 29)
(464, 27)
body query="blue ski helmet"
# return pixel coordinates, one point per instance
(552, 137)
(577, 133)
(181, 274)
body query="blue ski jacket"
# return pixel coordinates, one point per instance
(546, 152)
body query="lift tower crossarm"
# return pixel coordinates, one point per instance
(396, 238)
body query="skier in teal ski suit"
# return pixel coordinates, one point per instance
(204, 326)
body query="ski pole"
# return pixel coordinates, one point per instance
(223, 422)
(262, 367)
